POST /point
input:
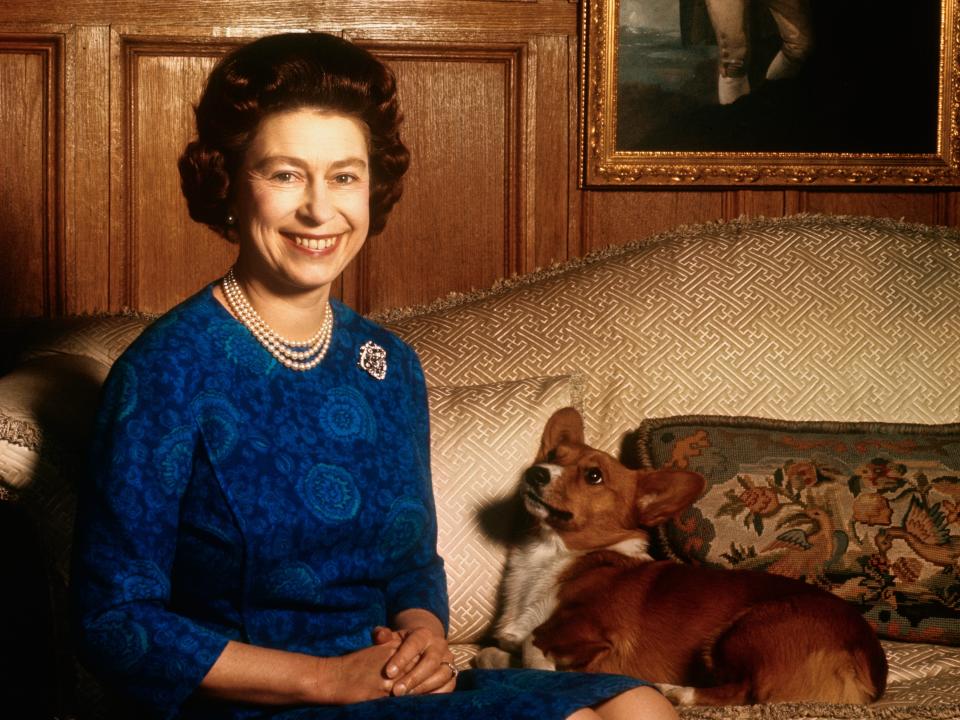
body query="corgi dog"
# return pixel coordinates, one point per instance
(582, 593)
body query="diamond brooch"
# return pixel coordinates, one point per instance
(373, 359)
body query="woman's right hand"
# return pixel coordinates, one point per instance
(357, 676)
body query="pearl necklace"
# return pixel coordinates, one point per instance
(304, 355)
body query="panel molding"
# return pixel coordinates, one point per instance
(129, 49)
(49, 48)
(518, 241)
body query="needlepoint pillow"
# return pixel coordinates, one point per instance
(869, 511)
(482, 437)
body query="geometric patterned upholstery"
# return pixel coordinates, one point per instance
(921, 674)
(482, 437)
(801, 318)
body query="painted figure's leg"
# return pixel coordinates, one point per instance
(729, 18)
(796, 34)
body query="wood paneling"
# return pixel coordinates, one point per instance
(86, 242)
(551, 156)
(96, 102)
(465, 154)
(166, 256)
(410, 17)
(923, 206)
(615, 218)
(30, 201)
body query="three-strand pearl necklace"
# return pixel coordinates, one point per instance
(303, 355)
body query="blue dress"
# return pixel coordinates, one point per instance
(232, 498)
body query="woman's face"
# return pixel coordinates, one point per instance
(302, 203)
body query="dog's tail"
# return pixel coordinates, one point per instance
(825, 652)
(864, 676)
(875, 662)
(831, 676)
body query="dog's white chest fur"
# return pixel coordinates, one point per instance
(530, 587)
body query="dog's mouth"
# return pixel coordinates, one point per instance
(538, 507)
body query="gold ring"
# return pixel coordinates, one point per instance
(453, 668)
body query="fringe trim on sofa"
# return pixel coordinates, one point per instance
(20, 432)
(726, 228)
(820, 711)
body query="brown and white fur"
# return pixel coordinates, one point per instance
(583, 594)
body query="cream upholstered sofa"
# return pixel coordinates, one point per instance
(768, 325)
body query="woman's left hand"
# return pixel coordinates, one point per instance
(423, 663)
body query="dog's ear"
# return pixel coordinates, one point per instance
(663, 494)
(564, 426)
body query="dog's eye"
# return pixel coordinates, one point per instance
(593, 476)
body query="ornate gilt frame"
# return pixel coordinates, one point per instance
(603, 165)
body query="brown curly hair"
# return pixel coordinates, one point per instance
(285, 72)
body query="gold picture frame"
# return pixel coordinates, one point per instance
(875, 124)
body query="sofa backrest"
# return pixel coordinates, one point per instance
(807, 317)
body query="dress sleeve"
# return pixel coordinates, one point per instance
(126, 535)
(421, 582)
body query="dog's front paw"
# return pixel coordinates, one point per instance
(510, 640)
(533, 657)
(677, 694)
(539, 663)
(492, 658)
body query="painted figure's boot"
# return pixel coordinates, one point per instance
(730, 89)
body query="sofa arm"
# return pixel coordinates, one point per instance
(37, 677)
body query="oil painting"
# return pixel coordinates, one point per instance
(769, 91)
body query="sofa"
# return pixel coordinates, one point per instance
(808, 366)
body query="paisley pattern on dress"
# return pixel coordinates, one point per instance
(406, 524)
(231, 498)
(330, 493)
(173, 451)
(124, 640)
(346, 416)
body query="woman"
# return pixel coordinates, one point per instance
(259, 538)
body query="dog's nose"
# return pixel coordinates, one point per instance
(537, 476)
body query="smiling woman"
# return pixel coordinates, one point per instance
(302, 214)
(258, 537)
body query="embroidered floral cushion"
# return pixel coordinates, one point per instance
(868, 511)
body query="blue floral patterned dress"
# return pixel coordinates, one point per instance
(232, 498)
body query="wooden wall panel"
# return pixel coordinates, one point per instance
(551, 156)
(464, 153)
(86, 241)
(165, 255)
(30, 199)
(924, 206)
(616, 218)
